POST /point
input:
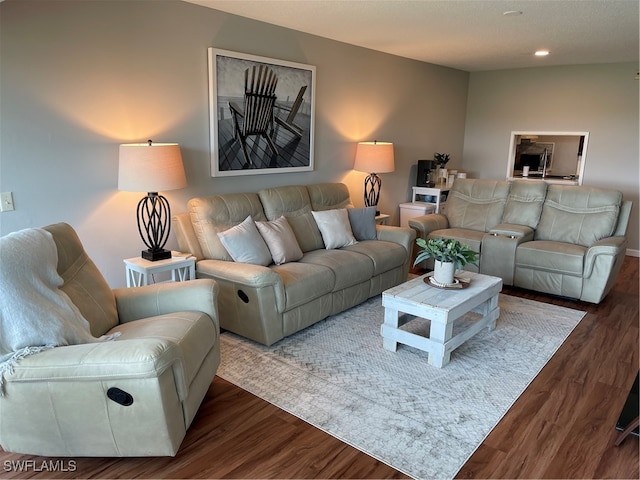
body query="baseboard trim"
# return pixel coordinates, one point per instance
(633, 253)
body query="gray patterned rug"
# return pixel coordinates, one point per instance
(421, 420)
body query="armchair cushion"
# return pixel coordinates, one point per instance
(83, 282)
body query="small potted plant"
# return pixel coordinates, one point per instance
(441, 160)
(448, 254)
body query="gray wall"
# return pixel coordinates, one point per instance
(81, 77)
(599, 99)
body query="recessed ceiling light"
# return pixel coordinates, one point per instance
(541, 53)
(512, 13)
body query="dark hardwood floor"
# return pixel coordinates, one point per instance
(561, 427)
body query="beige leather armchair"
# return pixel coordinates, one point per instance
(133, 396)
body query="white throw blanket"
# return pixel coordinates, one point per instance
(34, 313)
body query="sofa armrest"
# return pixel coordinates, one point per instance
(425, 224)
(186, 235)
(522, 232)
(248, 274)
(169, 297)
(100, 361)
(610, 246)
(401, 235)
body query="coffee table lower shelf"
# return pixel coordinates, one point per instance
(415, 299)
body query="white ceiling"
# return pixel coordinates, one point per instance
(471, 35)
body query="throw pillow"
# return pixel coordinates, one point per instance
(334, 227)
(280, 240)
(363, 222)
(245, 244)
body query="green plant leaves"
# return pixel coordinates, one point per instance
(445, 250)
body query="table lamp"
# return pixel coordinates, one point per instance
(151, 167)
(374, 157)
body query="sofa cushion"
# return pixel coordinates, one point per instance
(328, 196)
(385, 255)
(304, 282)
(476, 204)
(335, 228)
(293, 202)
(245, 244)
(279, 201)
(363, 223)
(306, 230)
(524, 203)
(281, 240)
(579, 215)
(217, 213)
(557, 257)
(349, 268)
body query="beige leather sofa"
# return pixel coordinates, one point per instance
(559, 239)
(132, 396)
(268, 303)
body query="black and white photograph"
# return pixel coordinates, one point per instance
(261, 114)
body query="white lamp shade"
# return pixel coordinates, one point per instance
(145, 167)
(374, 157)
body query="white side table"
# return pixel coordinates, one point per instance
(440, 193)
(383, 219)
(139, 270)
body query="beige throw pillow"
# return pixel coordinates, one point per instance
(280, 240)
(335, 228)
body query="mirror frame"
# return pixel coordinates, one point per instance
(579, 169)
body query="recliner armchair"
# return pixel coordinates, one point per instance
(133, 396)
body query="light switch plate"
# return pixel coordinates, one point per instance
(6, 202)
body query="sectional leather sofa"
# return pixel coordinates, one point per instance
(269, 300)
(559, 239)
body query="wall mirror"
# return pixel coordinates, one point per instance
(555, 157)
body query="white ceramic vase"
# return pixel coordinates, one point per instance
(443, 272)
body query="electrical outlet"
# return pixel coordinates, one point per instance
(6, 202)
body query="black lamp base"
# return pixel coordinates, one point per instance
(155, 255)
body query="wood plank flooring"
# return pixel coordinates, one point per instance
(561, 427)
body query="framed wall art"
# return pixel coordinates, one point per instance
(261, 114)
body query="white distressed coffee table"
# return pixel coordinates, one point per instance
(416, 299)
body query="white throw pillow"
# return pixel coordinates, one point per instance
(335, 228)
(245, 244)
(280, 240)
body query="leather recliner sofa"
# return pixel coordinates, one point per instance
(269, 302)
(565, 240)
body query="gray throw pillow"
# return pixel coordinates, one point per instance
(363, 222)
(281, 241)
(245, 244)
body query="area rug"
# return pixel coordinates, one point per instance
(422, 420)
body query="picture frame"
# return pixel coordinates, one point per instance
(255, 130)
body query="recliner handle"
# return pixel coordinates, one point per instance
(120, 396)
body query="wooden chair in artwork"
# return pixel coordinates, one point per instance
(256, 117)
(287, 122)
